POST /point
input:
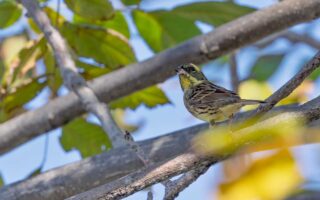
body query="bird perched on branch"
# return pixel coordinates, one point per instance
(205, 100)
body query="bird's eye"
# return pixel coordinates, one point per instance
(191, 69)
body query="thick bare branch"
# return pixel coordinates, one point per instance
(188, 161)
(80, 176)
(223, 40)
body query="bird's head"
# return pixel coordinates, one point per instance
(190, 75)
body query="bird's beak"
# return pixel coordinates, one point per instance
(180, 71)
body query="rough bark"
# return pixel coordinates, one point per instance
(83, 175)
(223, 40)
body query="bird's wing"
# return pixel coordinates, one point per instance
(208, 93)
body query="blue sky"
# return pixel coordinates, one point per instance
(20, 162)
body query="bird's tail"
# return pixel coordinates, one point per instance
(251, 102)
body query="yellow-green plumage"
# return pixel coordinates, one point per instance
(205, 100)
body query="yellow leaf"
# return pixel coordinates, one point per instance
(254, 90)
(270, 178)
(222, 141)
(11, 46)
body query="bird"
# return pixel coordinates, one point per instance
(207, 101)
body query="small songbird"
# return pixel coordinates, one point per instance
(205, 100)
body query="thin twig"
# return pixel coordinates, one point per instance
(177, 186)
(234, 76)
(294, 37)
(291, 36)
(150, 195)
(138, 150)
(289, 87)
(45, 152)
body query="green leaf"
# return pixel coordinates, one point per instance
(130, 2)
(91, 71)
(34, 172)
(118, 23)
(1, 181)
(54, 78)
(22, 95)
(10, 12)
(105, 46)
(265, 67)
(86, 137)
(91, 9)
(160, 30)
(2, 70)
(151, 97)
(314, 75)
(215, 13)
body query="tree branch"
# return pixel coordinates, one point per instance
(288, 88)
(190, 160)
(175, 187)
(295, 38)
(234, 72)
(83, 175)
(221, 41)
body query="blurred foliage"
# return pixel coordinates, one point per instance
(151, 97)
(301, 94)
(269, 178)
(117, 23)
(225, 140)
(131, 2)
(11, 104)
(88, 138)
(93, 10)
(10, 12)
(1, 181)
(96, 43)
(253, 89)
(265, 67)
(163, 24)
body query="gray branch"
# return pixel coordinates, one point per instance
(177, 186)
(291, 85)
(83, 175)
(225, 39)
(234, 76)
(71, 77)
(190, 160)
